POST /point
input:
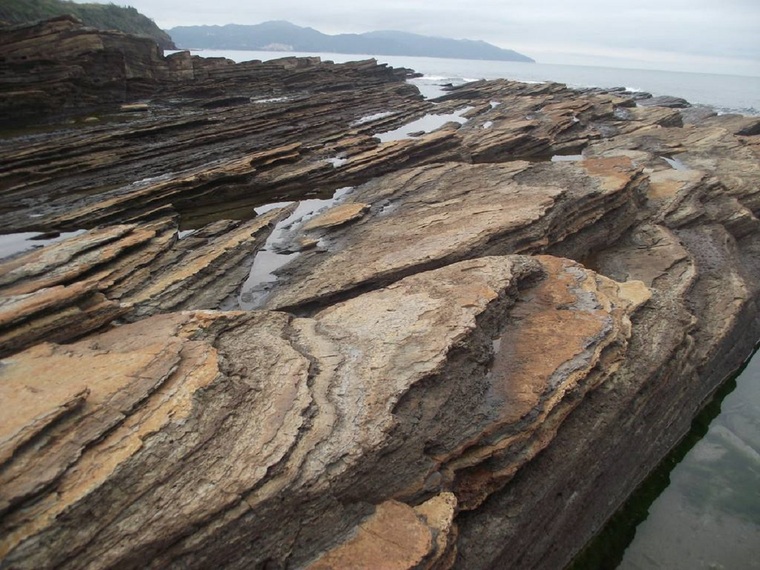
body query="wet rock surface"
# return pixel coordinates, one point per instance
(277, 340)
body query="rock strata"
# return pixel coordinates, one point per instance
(281, 339)
(59, 66)
(360, 386)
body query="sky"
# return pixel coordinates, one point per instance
(712, 36)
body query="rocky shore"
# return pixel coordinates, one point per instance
(294, 326)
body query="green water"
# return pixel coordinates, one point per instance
(708, 517)
(700, 509)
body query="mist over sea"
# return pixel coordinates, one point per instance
(725, 93)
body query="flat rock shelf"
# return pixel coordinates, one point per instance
(251, 332)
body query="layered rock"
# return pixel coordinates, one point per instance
(429, 216)
(274, 132)
(59, 67)
(279, 340)
(363, 387)
(59, 63)
(66, 290)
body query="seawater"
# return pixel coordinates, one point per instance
(708, 516)
(726, 93)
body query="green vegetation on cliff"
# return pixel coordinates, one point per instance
(102, 16)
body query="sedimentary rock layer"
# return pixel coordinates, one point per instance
(66, 290)
(279, 340)
(429, 216)
(365, 386)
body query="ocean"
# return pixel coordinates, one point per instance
(708, 517)
(725, 93)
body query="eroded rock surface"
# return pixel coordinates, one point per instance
(362, 387)
(278, 340)
(433, 215)
(68, 289)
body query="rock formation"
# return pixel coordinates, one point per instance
(279, 340)
(59, 66)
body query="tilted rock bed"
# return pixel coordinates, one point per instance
(468, 358)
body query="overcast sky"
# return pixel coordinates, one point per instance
(718, 36)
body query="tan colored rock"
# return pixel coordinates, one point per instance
(394, 537)
(56, 314)
(398, 536)
(140, 365)
(439, 513)
(337, 216)
(664, 184)
(125, 271)
(155, 363)
(529, 358)
(433, 215)
(635, 292)
(65, 261)
(200, 271)
(653, 255)
(268, 406)
(437, 401)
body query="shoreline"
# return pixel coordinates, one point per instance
(666, 83)
(288, 331)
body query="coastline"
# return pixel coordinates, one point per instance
(471, 341)
(735, 94)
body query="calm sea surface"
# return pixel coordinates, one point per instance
(727, 93)
(709, 515)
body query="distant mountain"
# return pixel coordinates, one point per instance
(101, 16)
(284, 36)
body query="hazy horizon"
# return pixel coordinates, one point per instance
(669, 35)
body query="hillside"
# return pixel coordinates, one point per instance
(284, 36)
(101, 16)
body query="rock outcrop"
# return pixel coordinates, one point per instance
(58, 67)
(284, 338)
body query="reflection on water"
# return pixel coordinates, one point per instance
(280, 247)
(426, 124)
(14, 244)
(709, 515)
